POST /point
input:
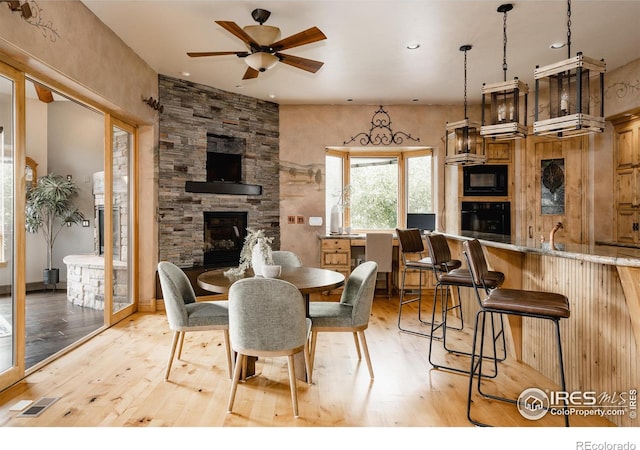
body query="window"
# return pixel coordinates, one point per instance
(382, 187)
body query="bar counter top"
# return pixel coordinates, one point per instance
(596, 253)
(601, 253)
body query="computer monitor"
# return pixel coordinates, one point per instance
(423, 221)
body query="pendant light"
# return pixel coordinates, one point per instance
(574, 93)
(463, 143)
(502, 100)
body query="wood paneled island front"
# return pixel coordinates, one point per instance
(600, 339)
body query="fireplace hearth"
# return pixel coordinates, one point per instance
(224, 234)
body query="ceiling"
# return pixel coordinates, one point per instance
(365, 54)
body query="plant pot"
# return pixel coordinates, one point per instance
(51, 276)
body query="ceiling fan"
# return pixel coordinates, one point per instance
(265, 45)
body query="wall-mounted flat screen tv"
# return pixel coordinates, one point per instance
(224, 167)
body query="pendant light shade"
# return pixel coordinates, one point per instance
(261, 61)
(506, 102)
(573, 90)
(463, 144)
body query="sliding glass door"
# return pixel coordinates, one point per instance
(12, 172)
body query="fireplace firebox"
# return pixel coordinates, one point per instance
(224, 234)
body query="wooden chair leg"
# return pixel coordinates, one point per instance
(365, 348)
(314, 338)
(182, 333)
(307, 363)
(292, 383)
(172, 352)
(234, 383)
(227, 344)
(355, 338)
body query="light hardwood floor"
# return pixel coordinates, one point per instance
(116, 380)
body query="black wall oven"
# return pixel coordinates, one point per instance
(486, 217)
(485, 180)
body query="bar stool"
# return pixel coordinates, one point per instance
(411, 245)
(448, 273)
(517, 302)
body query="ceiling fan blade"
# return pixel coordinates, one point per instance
(238, 32)
(309, 65)
(250, 73)
(304, 37)
(198, 54)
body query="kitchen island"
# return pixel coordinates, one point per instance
(600, 339)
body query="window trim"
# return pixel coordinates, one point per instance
(345, 153)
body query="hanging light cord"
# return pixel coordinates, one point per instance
(569, 28)
(504, 46)
(465, 84)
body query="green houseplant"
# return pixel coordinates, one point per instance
(50, 207)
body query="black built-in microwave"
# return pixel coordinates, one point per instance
(486, 179)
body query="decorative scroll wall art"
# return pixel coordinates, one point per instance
(552, 186)
(381, 132)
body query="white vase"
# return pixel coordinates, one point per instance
(336, 220)
(258, 258)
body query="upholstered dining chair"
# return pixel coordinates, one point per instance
(351, 314)
(286, 258)
(378, 247)
(267, 319)
(185, 314)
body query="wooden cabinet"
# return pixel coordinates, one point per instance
(336, 255)
(627, 182)
(499, 152)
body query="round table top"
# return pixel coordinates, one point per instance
(306, 279)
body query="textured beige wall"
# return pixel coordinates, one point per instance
(305, 132)
(74, 52)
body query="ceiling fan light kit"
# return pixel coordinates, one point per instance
(265, 46)
(573, 89)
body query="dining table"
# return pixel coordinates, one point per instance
(308, 280)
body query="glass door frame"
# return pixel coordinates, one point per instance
(17, 258)
(110, 316)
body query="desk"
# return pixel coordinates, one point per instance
(307, 279)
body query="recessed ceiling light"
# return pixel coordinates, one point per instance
(413, 46)
(185, 74)
(557, 45)
(239, 86)
(272, 95)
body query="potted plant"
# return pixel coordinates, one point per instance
(49, 208)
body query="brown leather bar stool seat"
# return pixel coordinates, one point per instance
(413, 258)
(524, 303)
(448, 273)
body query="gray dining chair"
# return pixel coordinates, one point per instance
(286, 258)
(351, 314)
(267, 319)
(185, 314)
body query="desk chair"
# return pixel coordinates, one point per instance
(449, 273)
(379, 248)
(535, 304)
(267, 318)
(185, 314)
(286, 259)
(412, 253)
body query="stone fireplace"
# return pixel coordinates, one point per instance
(198, 120)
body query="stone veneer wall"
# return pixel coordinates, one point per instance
(190, 112)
